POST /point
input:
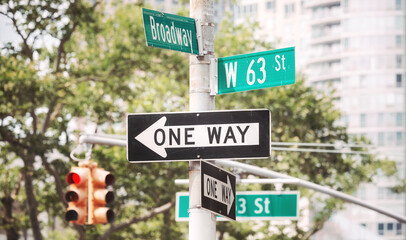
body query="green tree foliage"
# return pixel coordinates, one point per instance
(84, 60)
(75, 61)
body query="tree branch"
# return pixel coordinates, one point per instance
(58, 184)
(26, 49)
(61, 48)
(34, 121)
(52, 113)
(81, 231)
(152, 213)
(7, 136)
(17, 189)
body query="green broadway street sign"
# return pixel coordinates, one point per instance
(261, 205)
(164, 30)
(256, 70)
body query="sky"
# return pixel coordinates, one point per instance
(7, 33)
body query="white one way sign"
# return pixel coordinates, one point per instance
(200, 135)
(159, 137)
(218, 190)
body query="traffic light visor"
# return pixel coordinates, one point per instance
(78, 176)
(71, 215)
(76, 214)
(110, 216)
(73, 178)
(104, 215)
(110, 179)
(76, 195)
(71, 196)
(103, 196)
(102, 177)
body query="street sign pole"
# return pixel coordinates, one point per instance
(202, 224)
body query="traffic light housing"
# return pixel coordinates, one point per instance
(100, 196)
(77, 195)
(88, 194)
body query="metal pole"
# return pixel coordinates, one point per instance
(403, 83)
(251, 181)
(202, 224)
(95, 139)
(269, 173)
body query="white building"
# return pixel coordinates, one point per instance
(358, 47)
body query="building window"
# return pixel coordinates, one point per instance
(381, 193)
(345, 43)
(398, 61)
(345, 4)
(399, 119)
(398, 229)
(270, 5)
(380, 119)
(289, 10)
(398, 22)
(398, 4)
(399, 138)
(380, 228)
(362, 193)
(381, 139)
(363, 120)
(390, 138)
(389, 227)
(345, 120)
(399, 41)
(398, 80)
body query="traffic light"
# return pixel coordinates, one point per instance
(100, 196)
(77, 195)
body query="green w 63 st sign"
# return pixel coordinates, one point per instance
(164, 30)
(256, 70)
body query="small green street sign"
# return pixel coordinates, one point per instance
(164, 30)
(256, 70)
(256, 205)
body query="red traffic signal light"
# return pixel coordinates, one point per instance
(77, 195)
(87, 194)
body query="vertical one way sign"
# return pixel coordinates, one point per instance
(217, 190)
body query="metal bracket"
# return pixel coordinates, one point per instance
(210, 24)
(278, 187)
(199, 36)
(213, 77)
(82, 147)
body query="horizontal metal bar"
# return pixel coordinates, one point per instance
(318, 150)
(263, 172)
(336, 145)
(98, 139)
(250, 181)
(123, 137)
